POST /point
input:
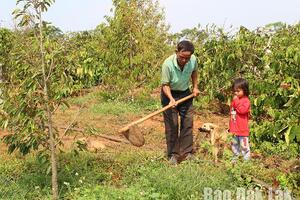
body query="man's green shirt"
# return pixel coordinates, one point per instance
(172, 74)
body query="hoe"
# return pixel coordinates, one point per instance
(132, 132)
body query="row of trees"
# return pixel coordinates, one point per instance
(269, 58)
(40, 66)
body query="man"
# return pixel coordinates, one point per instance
(177, 70)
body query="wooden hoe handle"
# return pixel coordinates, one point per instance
(156, 112)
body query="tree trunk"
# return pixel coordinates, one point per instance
(130, 53)
(1, 80)
(49, 114)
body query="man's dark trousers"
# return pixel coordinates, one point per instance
(178, 142)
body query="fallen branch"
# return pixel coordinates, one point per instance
(112, 138)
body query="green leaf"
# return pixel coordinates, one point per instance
(295, 133)
(287, 136)
(48, 170)
(289, 103)
(5, 124)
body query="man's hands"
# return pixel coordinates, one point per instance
(172, 102)
(167, 92)
(196, 92)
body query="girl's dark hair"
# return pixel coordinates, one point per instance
(241, 83)
(185, 45)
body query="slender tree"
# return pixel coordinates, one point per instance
(29, 91)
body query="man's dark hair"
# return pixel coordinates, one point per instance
(241, 83)
(185, 45)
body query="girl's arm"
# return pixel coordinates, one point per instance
(242, 106)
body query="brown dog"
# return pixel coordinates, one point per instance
(217, 138)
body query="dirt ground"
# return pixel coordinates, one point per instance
(86, 127)
(108, 125)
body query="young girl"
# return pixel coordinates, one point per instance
(239, 117)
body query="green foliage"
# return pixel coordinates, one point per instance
(84, 60)
(135, 38)
(128, 175)
(28, 15)
(28, 108)
(23, 92)
(280, 149)
(32, 87)
(6, 38)
(181, 182)
(269, 59)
